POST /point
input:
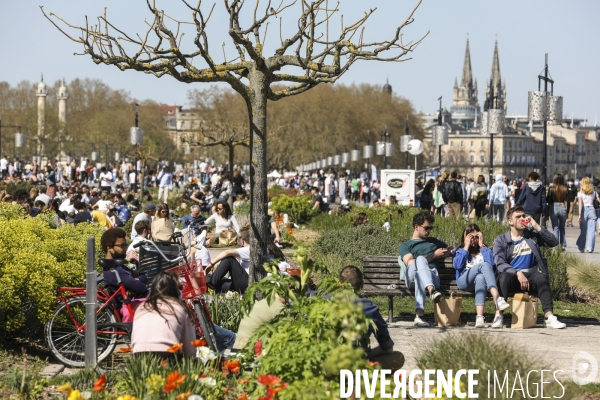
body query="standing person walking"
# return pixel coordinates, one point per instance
(480, 196)
(533, 197)
(165, 182)
(587, 216)
(557, 206)
(453, 196)
(571, 200)
(498, 196)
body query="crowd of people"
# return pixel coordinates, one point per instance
(453, 195)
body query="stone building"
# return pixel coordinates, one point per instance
(573, 148)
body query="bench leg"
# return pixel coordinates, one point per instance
(390, 309)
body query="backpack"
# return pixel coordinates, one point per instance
(453, 192)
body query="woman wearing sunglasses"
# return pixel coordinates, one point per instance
(474, 264)
(224, 220)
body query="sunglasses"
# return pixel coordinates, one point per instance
(427, 228)
(122, 245)
(220, 209)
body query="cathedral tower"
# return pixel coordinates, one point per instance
(499, 86)
(465, 107)
(62, 103)
(41, 94)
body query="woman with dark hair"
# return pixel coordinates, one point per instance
(361, 219)
(474, 264)
(223, 219)
(114, 244)
(427, 194)
(50, 181)
(162, 225)
(557, 205)
(163, 320)
(480, 196)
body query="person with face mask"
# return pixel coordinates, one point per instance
(114, 245)
(571, 200)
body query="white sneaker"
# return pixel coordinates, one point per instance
(501, 304)
(480, 321)
(554, 323)
(420, 323)
(498, 322)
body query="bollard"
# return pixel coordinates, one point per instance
(90, 306)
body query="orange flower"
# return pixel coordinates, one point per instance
(225, 390)
(175, 348)
(99, 384)
(244, 381)
(233, 366)
(175, 377)
(279, 388)
(268, 380)
(125, 349)
(243, 396)
(269, 396)
(291, 231)
(373, 363)
(198, 342)
(183, 396)
(169, 387)
(164, 363)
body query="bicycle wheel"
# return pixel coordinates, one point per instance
(67, 343)
(208, 330)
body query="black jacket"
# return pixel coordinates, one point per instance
(504, 247)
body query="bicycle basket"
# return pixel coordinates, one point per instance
(191, 277)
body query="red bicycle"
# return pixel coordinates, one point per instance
(65, 331)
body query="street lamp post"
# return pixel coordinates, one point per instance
(404, 141)
(368, 152)
(544, 106)
(6, 126)
(385, 135)
(492, 123)
(439, 135)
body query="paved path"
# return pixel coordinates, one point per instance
(556, 348)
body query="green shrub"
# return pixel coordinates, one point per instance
(299, 208)
(35, 259)
(488, 353)
(557, 268)
(243, 209)
(354, 243)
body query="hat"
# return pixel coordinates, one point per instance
(345, 202)
(150, 207)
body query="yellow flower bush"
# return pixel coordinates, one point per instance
(36, 259)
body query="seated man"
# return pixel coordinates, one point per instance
(419, 258)
(114, 244)
(520, 264)
(142, 229)
(354, 277)
(193, 217)
(236, 262)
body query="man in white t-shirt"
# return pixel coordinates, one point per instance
(106, 179)
(4, 167)
(236, 262)
(43, 196)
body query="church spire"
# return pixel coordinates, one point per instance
(467, 75)
(499, 87)
(496, 79)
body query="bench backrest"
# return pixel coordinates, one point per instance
(382, 271)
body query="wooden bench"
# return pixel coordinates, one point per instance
(382, 271)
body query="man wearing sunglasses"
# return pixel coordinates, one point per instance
(520, 265)
(419, 258)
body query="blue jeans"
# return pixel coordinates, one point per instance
(558, 217)
(479, 279)
(224, 338)
(420, 273)
(587, 237)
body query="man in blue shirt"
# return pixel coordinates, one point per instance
(354, 277)
(165, 182)
(193, 217)
(520, 265)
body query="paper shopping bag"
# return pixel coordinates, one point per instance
(524, 311)
(447, 311)
(227, 237)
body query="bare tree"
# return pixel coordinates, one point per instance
(311, 50)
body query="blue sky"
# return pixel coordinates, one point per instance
(525, 30)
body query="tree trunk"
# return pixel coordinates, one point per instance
(230, 148)
(259, 227)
